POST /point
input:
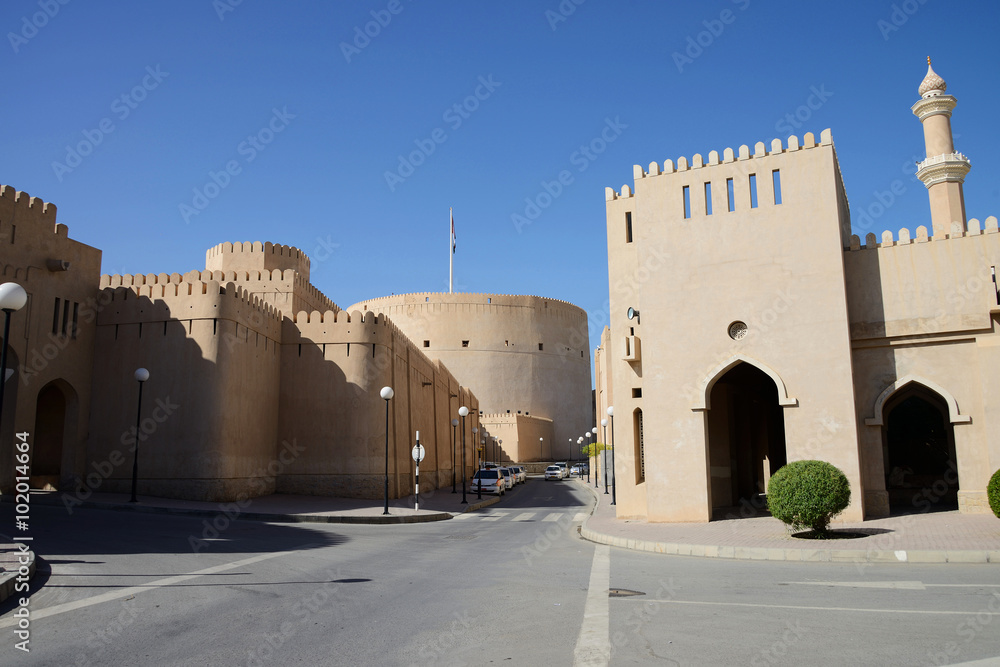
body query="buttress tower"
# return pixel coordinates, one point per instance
(944, 169)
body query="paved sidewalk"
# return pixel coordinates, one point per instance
(938, 537)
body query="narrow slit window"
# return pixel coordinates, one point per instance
(753, 190)
(640, 450)
(65, 317)
(776, 179)
(708, 198)
(55, 317)
(730, 195)
(628, 228)
(687, 202)
(539, 347)
(76, 317)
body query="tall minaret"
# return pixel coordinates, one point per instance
(944, 170)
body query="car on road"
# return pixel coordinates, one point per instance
(520, 473)
(491, 481)
(508, 476)
(554, 472)
(565, 468)
(576, 471)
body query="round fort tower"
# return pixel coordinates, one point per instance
(519, 353)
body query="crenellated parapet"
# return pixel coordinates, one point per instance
(743, 157)
(24, 206)
(921, 235)
(134, 299)
(471, 302)
(248, 256)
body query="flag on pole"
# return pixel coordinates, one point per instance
(453, 237)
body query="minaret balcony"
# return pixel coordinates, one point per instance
(947, 168)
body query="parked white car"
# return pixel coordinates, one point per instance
(491, 481)
(553, 472)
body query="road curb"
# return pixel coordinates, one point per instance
(921, 556)
(258, 516)
(8, 578)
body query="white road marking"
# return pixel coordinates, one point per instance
(906, 585)
(593, 646)
(524, 516)
(495, 516)
(757, 605)
(580, 516)
(120, 593)
(463, 516)
(555, 516)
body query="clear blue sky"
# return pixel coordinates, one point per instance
(200, 77)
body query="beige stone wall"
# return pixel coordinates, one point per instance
(925, 310)
(210, 406)
(525, 439)
(332, 371)
(51, 339)
(265, 401)
(776, 267)
(502, 358)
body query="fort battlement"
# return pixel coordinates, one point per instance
(887, 239)
(342, 327)
(248, 256)
(729, 156)
(168, 299)
(299, 283)
(553, 307)
(23, 201)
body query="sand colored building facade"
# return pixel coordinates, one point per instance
(751, 328)
(258, 382)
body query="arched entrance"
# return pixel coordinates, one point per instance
(746, 440)
(918, 451)
(51, 411)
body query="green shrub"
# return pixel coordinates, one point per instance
(807, 494)
(993, 493)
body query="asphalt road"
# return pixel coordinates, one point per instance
(513, 584)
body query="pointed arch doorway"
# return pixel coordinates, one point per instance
(55, 418)
(746, 440)
(918, 451)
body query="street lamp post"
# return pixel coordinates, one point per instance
(141, 375)
(541, 446)
(454, 424)
(479, 454)
(463, 412)
(499, 451)
(475, 433)
(12, 297)
(588, 457)
(614, 482)
(604, 425)
(386, 395)
(593, 432)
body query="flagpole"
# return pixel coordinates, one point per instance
(451, 250)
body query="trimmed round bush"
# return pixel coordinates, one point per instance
(993, 493)
(808, 494)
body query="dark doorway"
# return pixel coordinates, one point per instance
(746, 436)
(50, 429)
(919, 452)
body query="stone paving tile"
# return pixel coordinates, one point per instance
(930, 537)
